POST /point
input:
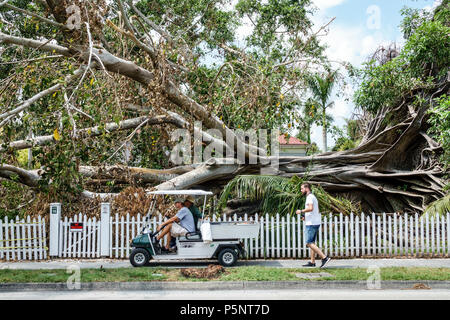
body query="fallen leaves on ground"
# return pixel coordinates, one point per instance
(210, 272)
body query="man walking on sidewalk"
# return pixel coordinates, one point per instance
(312, 221)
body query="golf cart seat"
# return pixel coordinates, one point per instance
(191, 236)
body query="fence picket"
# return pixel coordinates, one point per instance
(283, 236)
(325, 234)
(80, 237)
(368, 225)
(341, 235)
(14, 239)
(374, 233)
(389, 235)
(127, 239)
(272, 221)
(443, 235)
(306, 253)
(294, 240)
(379, 234)
(363, 236)
(37, 243)
(411, 236)
(22, 235)
(352, 236)
(448, 234)
(250, 241)
(400, 233)
(278, 235)
(438, 248)
(97, 231)
(406, 234)
(416, 223)
(89, 235)
(33, 227)
(331, 234)
(8, 243)
(2, 242)
(384, 234)
(357, 238)
(432, 226)
(267, 246)
(288, 235)
(395, 234)
(336, 237)
(422, 239)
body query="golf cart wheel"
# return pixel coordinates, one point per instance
(139, 257)
(228, 257)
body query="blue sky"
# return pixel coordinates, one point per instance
(360, 27)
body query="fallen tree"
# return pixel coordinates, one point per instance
(394, 168)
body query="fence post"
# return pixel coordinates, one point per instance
(104, 229)
(55, 217)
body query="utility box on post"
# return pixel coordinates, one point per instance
(55, 218)
(105, 237)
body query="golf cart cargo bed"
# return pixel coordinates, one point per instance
(234, 230)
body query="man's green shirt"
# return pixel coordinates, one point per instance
(195, 213)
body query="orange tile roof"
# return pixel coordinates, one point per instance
(292, 140)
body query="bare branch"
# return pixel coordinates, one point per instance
(94, 131)
(37, 44)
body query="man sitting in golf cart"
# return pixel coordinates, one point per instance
(189, 202)
(178, 225)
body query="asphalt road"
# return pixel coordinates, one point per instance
(315, 294)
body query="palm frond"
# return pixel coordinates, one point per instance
(281, 195)
(439, 207)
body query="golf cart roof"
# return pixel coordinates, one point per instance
(182, 192)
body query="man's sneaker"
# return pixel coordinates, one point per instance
(309, 264)
(325, 261)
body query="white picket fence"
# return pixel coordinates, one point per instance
(365, 235)
(23, 239)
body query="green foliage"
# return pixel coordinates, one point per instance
(281, 195)
(385, 85)
(147, 150)
(412, 19)
(312, 149)
(348, 138)
(61, 178)
(271, 16)
(439, 207)
(10, 204)
(440, 125)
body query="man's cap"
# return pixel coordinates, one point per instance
(190, 199)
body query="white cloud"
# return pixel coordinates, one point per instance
(433, 6)
(326, 4)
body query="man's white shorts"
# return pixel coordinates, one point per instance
(177, 230)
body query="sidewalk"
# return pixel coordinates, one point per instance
(334, 263)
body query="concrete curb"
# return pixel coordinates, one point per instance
(221, 285)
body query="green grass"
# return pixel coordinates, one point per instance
(231, 274)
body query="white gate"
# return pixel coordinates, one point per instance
(79, 237)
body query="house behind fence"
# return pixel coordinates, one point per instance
(364, 235)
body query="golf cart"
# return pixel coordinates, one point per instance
(225, 246)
